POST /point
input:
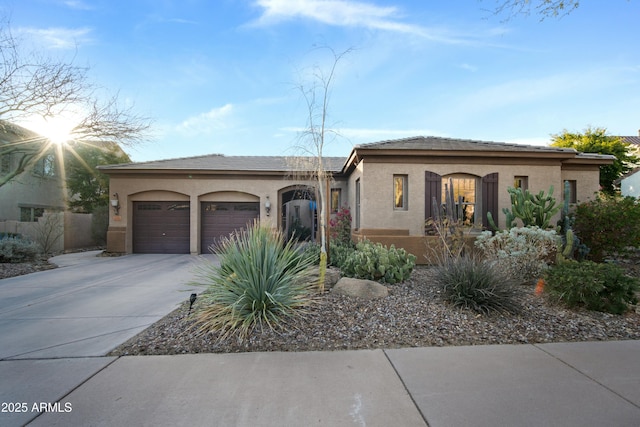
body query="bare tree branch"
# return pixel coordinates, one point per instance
(34, 85)
(543, 8)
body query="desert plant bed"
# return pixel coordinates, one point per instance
(413, 315)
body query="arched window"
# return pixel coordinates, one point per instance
(465, 195)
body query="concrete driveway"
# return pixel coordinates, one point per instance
(90, 305)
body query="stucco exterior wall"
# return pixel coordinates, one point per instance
(194, 189)
(377, 194)
(587, 183)
(29, 190)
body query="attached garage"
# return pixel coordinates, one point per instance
(161, 227)
(220, 219)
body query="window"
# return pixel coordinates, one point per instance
(486, 195)
(400, 192)
(335, 199)
(30, 214)
(521, 182)
(5, 164)
(464, 195)
(573, 191)
(46, 166)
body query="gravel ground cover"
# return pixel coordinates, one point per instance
(413, 315)
(18, 269)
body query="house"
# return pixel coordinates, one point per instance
(33, 203)
(26, 197)
(630, 182)
(185, 205)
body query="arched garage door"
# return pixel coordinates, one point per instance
(220, 219)
(161, 227)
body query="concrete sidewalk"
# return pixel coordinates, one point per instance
(563, 384)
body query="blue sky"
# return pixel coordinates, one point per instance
(220, 76)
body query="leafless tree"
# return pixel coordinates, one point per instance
(32, 84)
(543, 8)
(313, 139)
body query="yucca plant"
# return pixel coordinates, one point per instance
(477, 285)
(261, 280)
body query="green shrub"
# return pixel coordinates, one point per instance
(521, 252)
(312, 251)
(608, 224)
(261, 280)
(15, 249)
(339, 252)
(477, 285)
(600, 287)
(374, 261)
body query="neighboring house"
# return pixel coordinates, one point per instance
(185, 205)
(630, 184)
(634, 143)
(33, 203)
(39, 188)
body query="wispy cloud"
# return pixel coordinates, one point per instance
(346, 13)
(469, 67)
(206, 123)
(76, 4)
(59, 38)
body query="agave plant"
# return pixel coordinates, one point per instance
(261, 280)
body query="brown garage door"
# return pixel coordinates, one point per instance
(161, 227)
(220, 219)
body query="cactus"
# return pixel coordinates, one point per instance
(531, 209)
(569, 243)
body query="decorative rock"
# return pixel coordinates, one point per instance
(331, 277)
(359, 288)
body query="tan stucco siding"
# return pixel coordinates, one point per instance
(587, 183)
(377, 189)
(195, 190)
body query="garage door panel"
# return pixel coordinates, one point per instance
(161, 227)
(220, 219)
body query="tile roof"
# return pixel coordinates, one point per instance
(635, 140)
(435, 143)
(220, 162)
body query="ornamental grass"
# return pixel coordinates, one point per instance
(261, 280)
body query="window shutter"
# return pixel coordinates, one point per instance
(432, 188)
(489, 198)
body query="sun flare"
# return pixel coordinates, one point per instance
(57, 129)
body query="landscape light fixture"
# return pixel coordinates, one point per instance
(267, 206)
(115, 203)
(192, 299)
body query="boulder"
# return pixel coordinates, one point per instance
(359, 288)
(331, 277)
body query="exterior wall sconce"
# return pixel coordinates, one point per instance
(115, 204)
(267, 206)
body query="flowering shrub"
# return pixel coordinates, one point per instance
(341, 227)
(521, 252)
